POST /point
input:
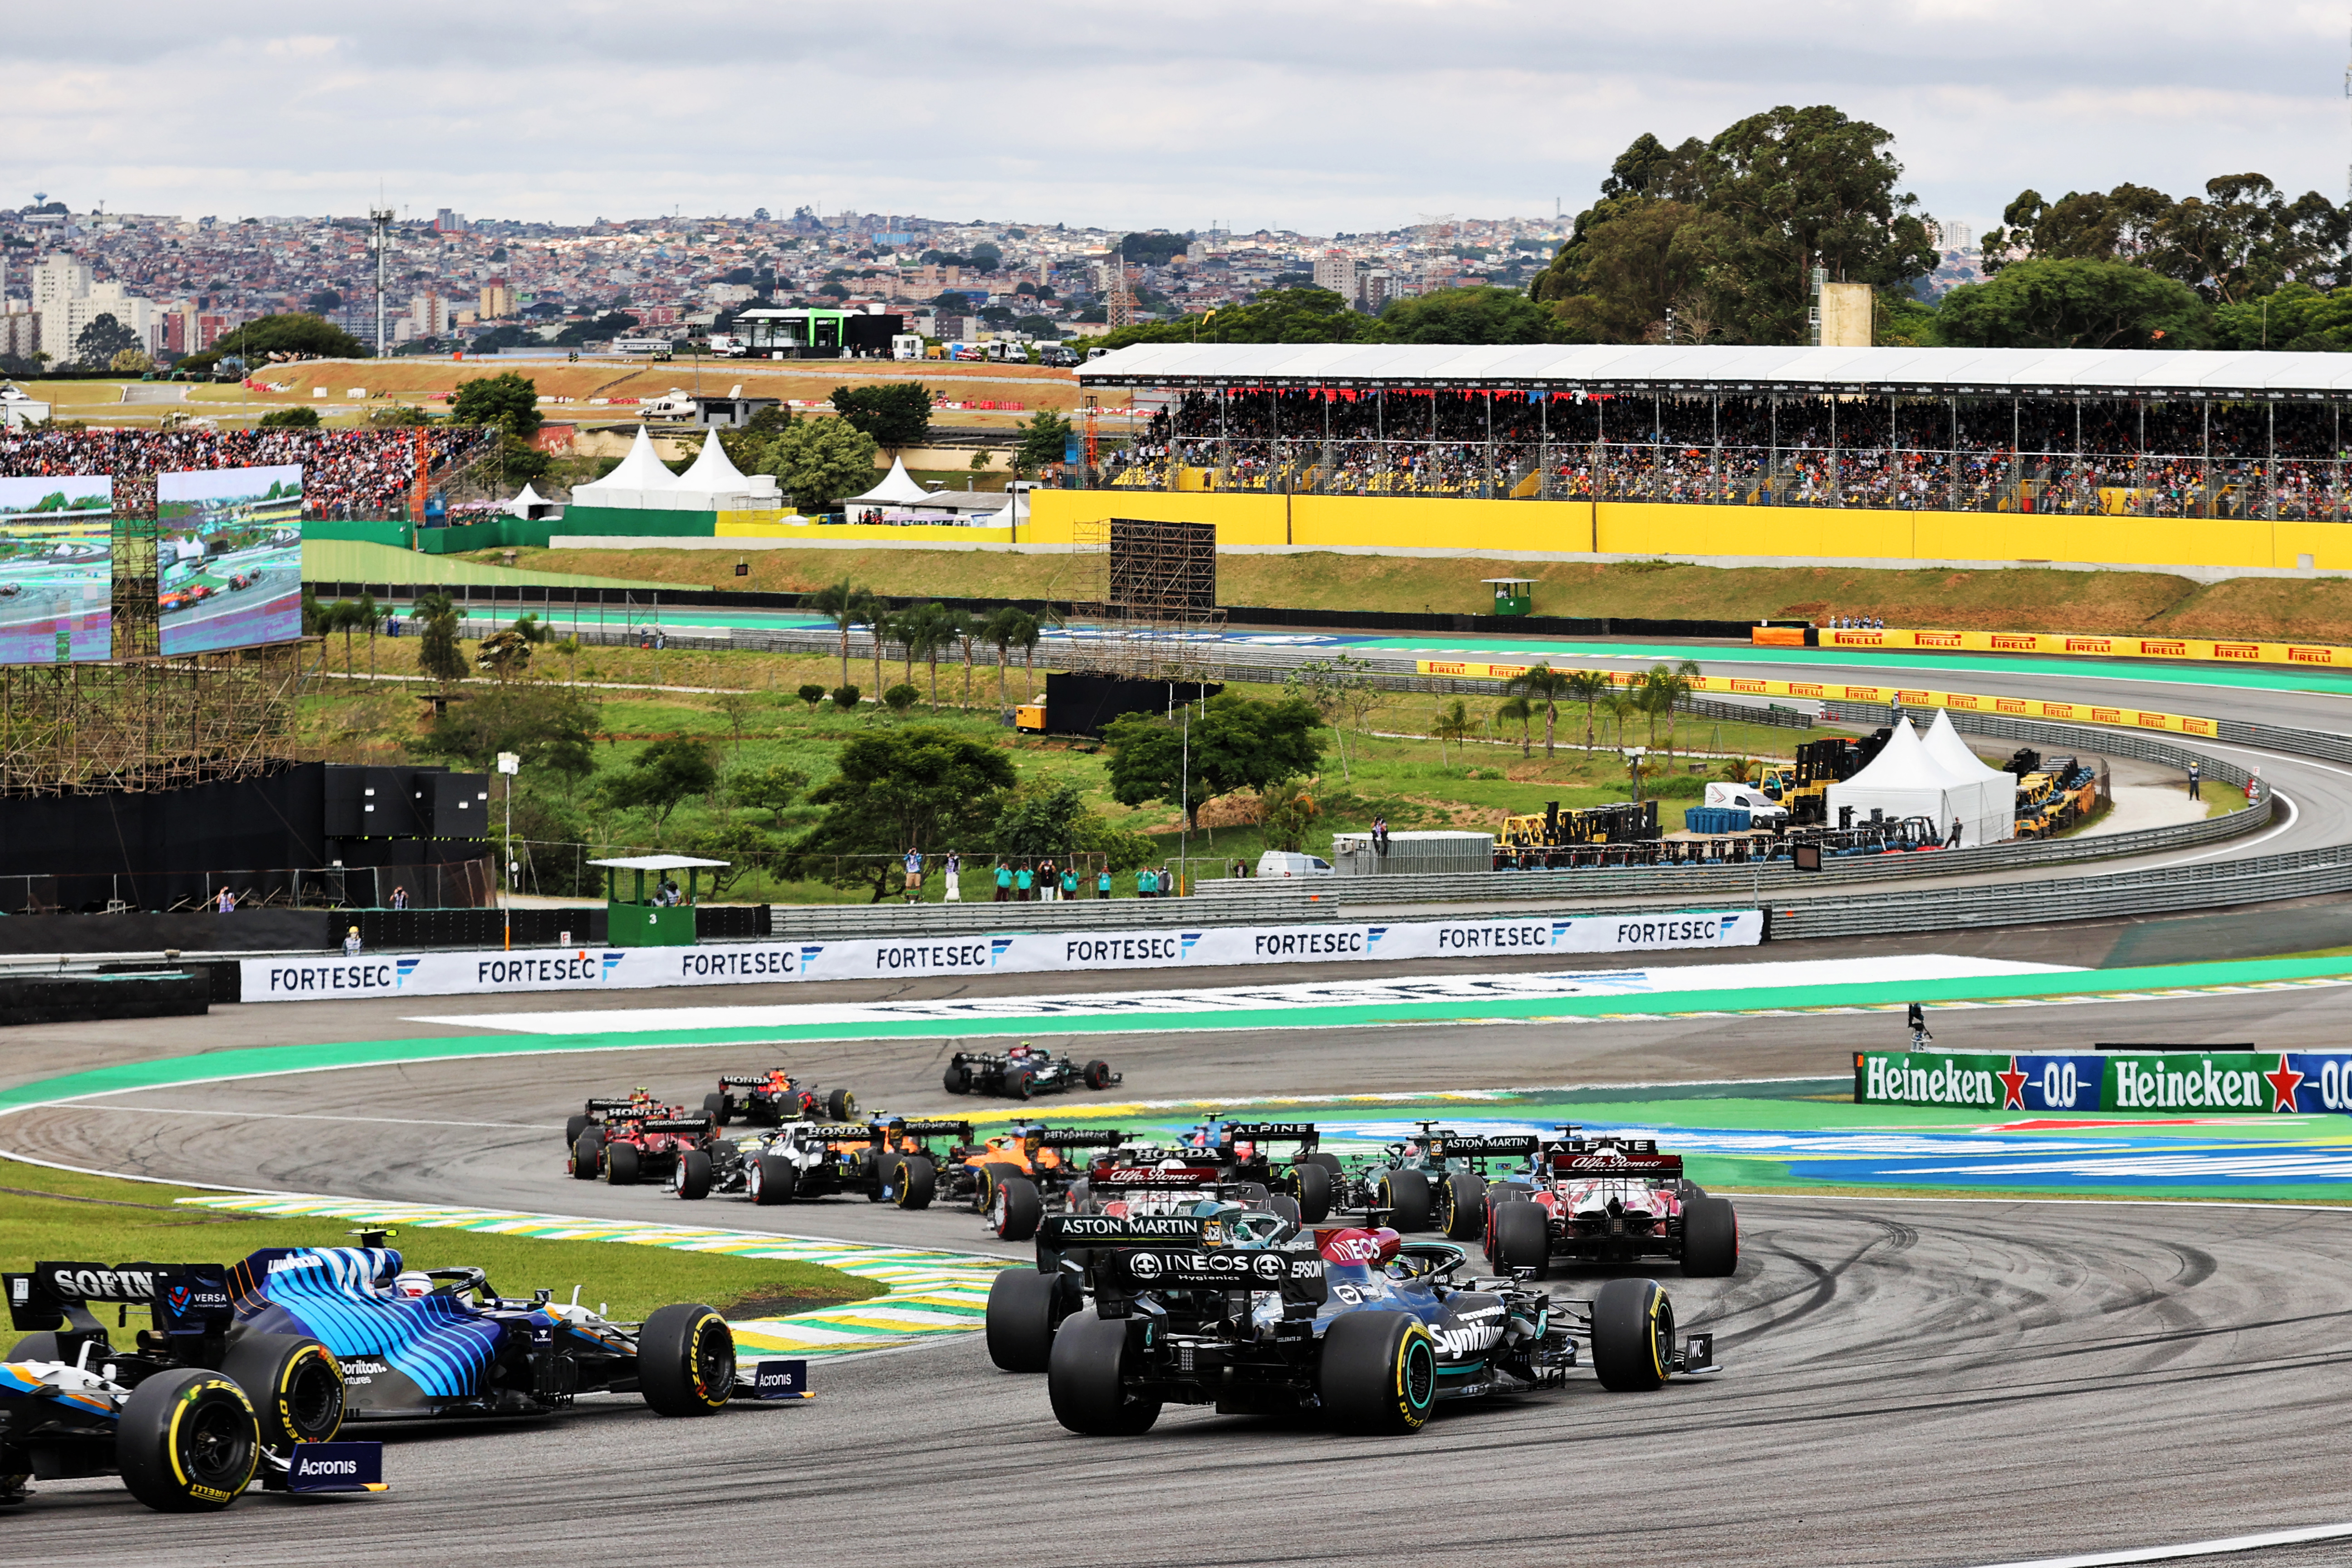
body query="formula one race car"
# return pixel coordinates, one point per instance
(1023, 1071)
(1435, 1180)
(772, 1098)
(187, 1418)
(1018, 1177)
(605, 1109)
(1309, 1177)
(1250, 1313)
(1608, 1200)
(640, 1143)
(887, 1159)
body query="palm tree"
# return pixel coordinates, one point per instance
(1588, 686)
(929, 630)
(370, 614)
(1452, 723)
(1001, 629)
(1677, 684)
(843, 603)
(343, 615)
(1521, 711)
(1025, 632)
(1546, 685)
(873, 614)
(964, 629)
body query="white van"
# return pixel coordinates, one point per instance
(1760, 808)
(1287, 863)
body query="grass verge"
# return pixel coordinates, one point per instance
(47, 1214)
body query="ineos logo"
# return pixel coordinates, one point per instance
(1144, 1266)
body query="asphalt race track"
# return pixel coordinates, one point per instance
(1909, 1380)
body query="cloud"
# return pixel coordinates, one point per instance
(1315, 115)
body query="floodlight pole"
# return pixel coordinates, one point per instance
(382, 218)
(509, 764)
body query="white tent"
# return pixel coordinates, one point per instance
(1902, 780)
(1983, 797)
(899, 488)
(529, 503)
(640, 483)
(715, 484)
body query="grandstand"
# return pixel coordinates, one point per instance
(2190, 434)
(345, 473)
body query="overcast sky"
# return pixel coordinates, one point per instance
(1310, 115)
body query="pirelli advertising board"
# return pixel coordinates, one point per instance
(2076, 645)
(1846, 691)
(2232, 1081)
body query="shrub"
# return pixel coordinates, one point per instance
(844, 697)
(901, 697)
(812, 694)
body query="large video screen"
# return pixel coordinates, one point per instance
(228, 557)
(57, 568)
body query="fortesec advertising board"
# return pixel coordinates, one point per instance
(1016, 952)
(2234, 1080)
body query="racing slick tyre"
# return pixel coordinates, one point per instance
(572, 1127)
(1285, 1207)
(771, 1180)
(1498, 1195)
(295, 1384)
(914, 1182)
(35, 1347)
(1025, 1308)
(1314, 1192)
(1377, 1373)
(1406, 1196)
(1318, 1157)
(1632, 1335)
(1710, 1239)
(1086, 1384)
(1018, 1085)
(622, 1166)
(983, 1192)
(686, 1360)
(715, 1107)
(187, 1441)
(588, 1155)
(1522, 1239)
(840, 1105)
(1097, 1075)
(1462, 1207)
(956, 1081)
(690, 1177)
(1013, 1213)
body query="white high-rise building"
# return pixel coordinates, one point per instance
(1336, 271)
(68, 302)
(1952, 235)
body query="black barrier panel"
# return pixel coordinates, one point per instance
(248, 931)
(1086, 704)
(84, 999)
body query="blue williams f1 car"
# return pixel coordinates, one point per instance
(1242, 1309)
(247, 1364)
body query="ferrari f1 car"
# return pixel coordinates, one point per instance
(644, 1143)
(1023, 1071)
(1608, 1200)
(187, 1416)
(1245, 1312)
(772, 1098)
(606, 1110)
(1434, 1180)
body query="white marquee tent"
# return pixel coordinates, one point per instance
(1983, 797)
(641, 483)
(714, 484)
(1907, 779)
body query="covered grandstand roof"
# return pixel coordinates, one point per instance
(2122, 373)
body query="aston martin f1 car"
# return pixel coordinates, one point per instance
(1246, 1312)
(772, 1098)
(1608, 1200)
(1023, 1071)
(1434, 1180)
(187, 1416)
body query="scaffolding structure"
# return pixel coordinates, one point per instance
(1156, 617)
(139, 722)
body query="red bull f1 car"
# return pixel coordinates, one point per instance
(1608, 1200)
(772, 1098)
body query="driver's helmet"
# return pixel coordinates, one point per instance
(1245, 1150)
(1019, 1051)
(779, 1078)
(1032, 1141)
(412, 1283)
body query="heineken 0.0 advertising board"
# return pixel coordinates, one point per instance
(2232, 1079)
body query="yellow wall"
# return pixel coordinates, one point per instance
(1639, 529)
(767, 525)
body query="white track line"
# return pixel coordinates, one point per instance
(2189, 1548)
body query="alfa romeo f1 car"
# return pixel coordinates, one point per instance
(772, 1098)
(1023, 1071)
(1608, 1200)
(1245, 1312)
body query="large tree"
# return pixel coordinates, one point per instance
(818, 461)
(96, 344)
(509, 401)
(1478, 315)
(920, 787)
(896, 416)
(2240, 239)
(1276, 316)
(309, 337)
(1230, 743)
(2074, 304)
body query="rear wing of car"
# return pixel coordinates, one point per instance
(674, 1124)
(1453, 1146)
(605, 1107)
(1302, 1133)
(743, 1080)
(190, 1298)
(1619, 1160)
(900, 1127)
(1081, 1137)
(1159, 1176)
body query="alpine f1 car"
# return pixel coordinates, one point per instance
(887, 1159)
(204, 1401)
(772, 1098)
(1023, 1071)
(1248, 1312)
(1435, 1180)
(1242, 1150)
(1608, 1200)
